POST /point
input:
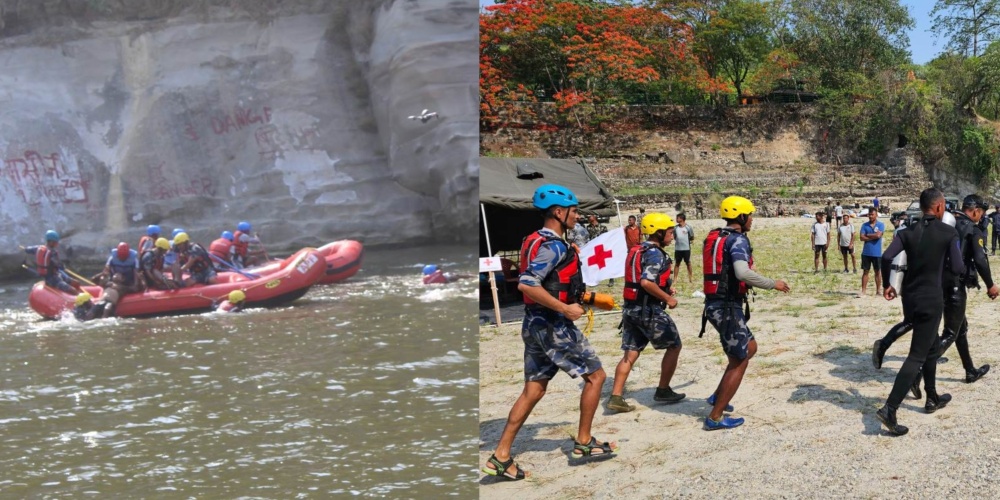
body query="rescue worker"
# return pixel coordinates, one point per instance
(930, 245)
(551, 283)
(223, 249)
(972, 246)
(729, 273)
(170, 259)
(152, 266)
(121, 276)
(50, 266)
(435, 276)
(195, 261)
(242, 240)
(147, 242)
(85, 309)
(648, 292)
(235, 302)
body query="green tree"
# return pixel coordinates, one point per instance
(849, 40)
(966, 23)
(738, 37)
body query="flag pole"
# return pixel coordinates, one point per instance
(493, 281)
(618, 209)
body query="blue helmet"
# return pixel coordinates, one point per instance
(152, 230)
(430, 268)
(243, 226)
(176, 232)
(51, 235)
(553, 195)
(227, 235)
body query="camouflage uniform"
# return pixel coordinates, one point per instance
(727, 316)
(642, 325)
(552, 342)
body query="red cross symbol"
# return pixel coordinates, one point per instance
(600, 257)
(488, 261)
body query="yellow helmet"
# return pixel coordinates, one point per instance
(181, 238)
(83, 298)
(237, 296)
(735, 206)
(654, 222)
(162, 243)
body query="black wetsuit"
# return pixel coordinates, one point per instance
(926, 245)
(956, 325)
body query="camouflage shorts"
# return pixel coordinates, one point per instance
(657, 327)
(731, 324)
(553, 343)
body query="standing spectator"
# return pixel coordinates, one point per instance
(995, 220)
(683, 236)
(871, 254)
(633, 236)
(829, 209)
(578, 234)
(838, 212)
(594, 229)
(875, 203)
(642, 213)
(820, 238)
(846, 233)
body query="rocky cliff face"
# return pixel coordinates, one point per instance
(197, 114)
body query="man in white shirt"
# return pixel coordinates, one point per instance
(838, 212)
(846, 232)
(820, 238)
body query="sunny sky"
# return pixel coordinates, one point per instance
(923, 45)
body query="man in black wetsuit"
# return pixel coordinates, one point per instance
(926, 244)
(956, 325)
(971, 242)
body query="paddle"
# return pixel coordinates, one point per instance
(78, 277)
(232, 268)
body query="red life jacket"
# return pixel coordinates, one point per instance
(437, 277)
(221, 248)
(633, 274)
(156, 265)
(717, 263)
(143, 241)
(241, 248)
(565, 282)
(42, 260)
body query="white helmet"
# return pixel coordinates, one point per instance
(948, 218)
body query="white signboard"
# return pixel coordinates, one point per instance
(487, 264)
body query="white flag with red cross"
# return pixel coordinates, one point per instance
(603, 257)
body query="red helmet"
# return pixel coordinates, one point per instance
(122, 251)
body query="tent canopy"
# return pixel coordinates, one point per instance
(506, 186)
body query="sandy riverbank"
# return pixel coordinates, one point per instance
(809, 398)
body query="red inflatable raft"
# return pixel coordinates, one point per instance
(290, 279)
(343, 260)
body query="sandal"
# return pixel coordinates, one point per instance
(503, 468)
(592, 448)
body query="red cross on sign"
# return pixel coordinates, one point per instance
(600, 257)
(488, 262)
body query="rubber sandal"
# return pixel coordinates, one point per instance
(592, 449)
(503, 469)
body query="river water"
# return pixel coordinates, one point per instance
(364, 388)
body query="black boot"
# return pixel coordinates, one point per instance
(915, 388)
(935, 402)
(977, 374)
(878, 352)
(887, 416)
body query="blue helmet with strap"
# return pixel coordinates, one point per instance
(51, 235)
(430, 268)
(152, 230)
(553, 195)
(176, 232)
(243, 226)
(227, 235)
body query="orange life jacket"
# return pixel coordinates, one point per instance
(437, 277)
(565, 282)
(633, 291)
(143, 241)
(42, 260)
(717, 263)
(221, 248)
(241, 248)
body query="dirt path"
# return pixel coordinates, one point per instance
(809, 399)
